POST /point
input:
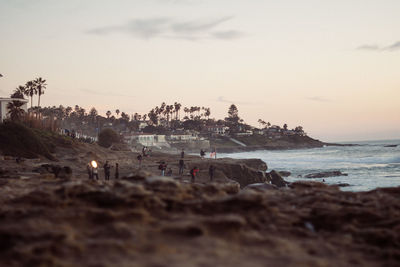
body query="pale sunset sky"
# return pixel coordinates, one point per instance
(331, 66)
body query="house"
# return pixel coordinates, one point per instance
(217, 129)
(146, 139)
(246, 133)
(3, 106)
(142, 125)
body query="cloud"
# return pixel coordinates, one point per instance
(368, 47)
(223, 100)
(164, 27)
(393, 47)
(93, 92)
(228, 35)
(318, 99)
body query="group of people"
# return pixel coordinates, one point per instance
(92, 167)
(93, 170)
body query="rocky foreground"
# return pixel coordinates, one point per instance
(239, 219)
(153, 221)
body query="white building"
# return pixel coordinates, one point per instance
(3, 106)
(151, 140)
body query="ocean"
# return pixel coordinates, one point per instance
(369, 165)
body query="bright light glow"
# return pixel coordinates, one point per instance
(94, 164)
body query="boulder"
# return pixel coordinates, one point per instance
(261, 187)
(58, 171)
(325, 174)
(276, 179)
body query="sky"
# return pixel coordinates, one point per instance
(332, 67)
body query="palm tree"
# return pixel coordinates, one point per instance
(40, 86)
(20, 90)
(30, 90)
(15, 110)
(177, 108)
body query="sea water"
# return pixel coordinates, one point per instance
(369, 165)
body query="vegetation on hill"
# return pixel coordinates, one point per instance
(21, 141)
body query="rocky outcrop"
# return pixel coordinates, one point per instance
(325, 174)
(157, 221)
(58, 171)
(276, 179)
(244, 172)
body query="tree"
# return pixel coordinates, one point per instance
(14, 107)
(117, 112)
(40, 85)
(177, 107)
(68, 111)
(107, 137)
(153, 116)
(108, 114)
(30, 90)
(233, 117)
(285, 127)
(20, 90)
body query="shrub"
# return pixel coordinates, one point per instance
(107, 137)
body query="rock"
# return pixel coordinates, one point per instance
(391, 146)
(343, 184)
(285, 173)
(58, 171)
(261, 187)
(276, 179)
(325, 174)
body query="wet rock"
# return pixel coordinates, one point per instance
(325, 174)
(276, 179)
(285, 173)
(261, 187)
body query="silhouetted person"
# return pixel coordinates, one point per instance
(116, 171)
(181, 166)
(162, 167)
(140, 158)
(202, 153)
(211, 172)
(89, 170)
(107, 170)
(182, 153)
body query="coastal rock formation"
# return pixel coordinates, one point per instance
(276, 179)
(245, 172)
(325, 174)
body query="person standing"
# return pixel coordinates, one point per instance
(193, 173)
(202, 153)
(107, 170)
(116, 171)
(181, 166)
(140, 158)
(162, 167)
(89, 170)
(182, 153)
(95, 173)
(211, 172)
